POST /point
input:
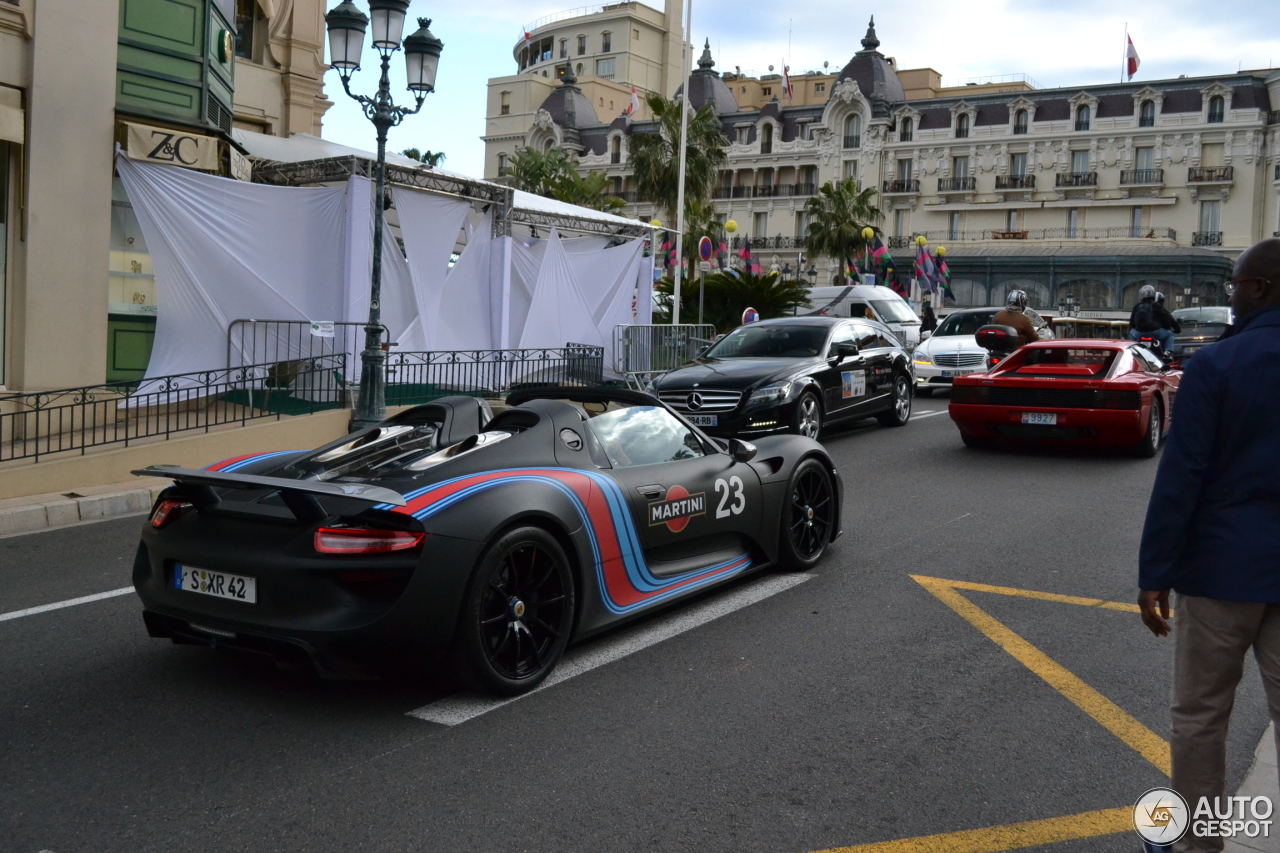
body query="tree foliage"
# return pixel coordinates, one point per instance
(431, 158)
(837, 215)
(551, 173)
(654, 158)
(728, 294)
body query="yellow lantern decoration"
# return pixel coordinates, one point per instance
(656, 223)
(868, 233)
(921, 241)
(731, 226)
(942, 251)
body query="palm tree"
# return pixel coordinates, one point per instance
(592, 190)
(654, 158)
(431, 158)
(837, 215)
(534, 171)
(728, 294)
(700, 220)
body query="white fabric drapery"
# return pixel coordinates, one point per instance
(429, 225)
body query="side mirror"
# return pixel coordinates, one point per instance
(844, 349)
(741, 451)
(924, 336)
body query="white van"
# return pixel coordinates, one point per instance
(869, 300)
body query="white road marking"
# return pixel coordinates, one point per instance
(928, 413)
(70, 602)
(464, 706)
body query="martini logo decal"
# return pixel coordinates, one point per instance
(677, 509)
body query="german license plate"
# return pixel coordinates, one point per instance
(704, 420)
(1040, 418)
(217, 584)
(948, 374)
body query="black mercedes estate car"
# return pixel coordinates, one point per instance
(793, 374)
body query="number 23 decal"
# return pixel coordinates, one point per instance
(724, 488)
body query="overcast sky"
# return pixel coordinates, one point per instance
(1057, 43)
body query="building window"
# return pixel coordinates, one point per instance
(953, 225)
(853, 131)
(760, 227)
(1079, 162)
(1011, 221)
(1083, 114)
(615, 150)
(904, 170)
(766, 139)
(606, 42)
(1020, 121)
(579, 69)
(505, 107)
(564, 48)
(819, 87)
(802, 223)
(850, 169)
(1210, 212)
(766, 91)
(1073, 222)
(743, 135)
(1018, 165)
(605, 69)
(1135, 222)
(582, 45)
(1147, 116)
(900, 222)
(1217, 109)
(246, 17)
(502, 164)
(1146, 161)
(962, 126)
(906, 133)
(960, 167)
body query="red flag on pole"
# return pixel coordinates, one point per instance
(1131, 59)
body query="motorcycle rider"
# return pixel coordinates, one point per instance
(1150, 317)
(1013, 314)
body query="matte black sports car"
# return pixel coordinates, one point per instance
(793, 374)
(436, 534)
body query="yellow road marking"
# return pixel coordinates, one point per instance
(1111, 716)
(1031, 593)
(1012, 836)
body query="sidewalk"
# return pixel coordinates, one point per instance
(1261, 781)
(58, 509)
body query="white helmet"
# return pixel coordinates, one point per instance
(1146, 292)
(1016, 301)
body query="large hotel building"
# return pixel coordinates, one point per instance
(1088, 191)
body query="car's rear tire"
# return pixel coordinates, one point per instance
(808, 517)
(1150, 443)
(806, 419)
(899, 411)
(517, 613)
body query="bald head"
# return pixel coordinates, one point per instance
(1258, 272)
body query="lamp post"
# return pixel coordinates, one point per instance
(347, 25)
(813, 276)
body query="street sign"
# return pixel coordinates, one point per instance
(704, 249)
(704, 266)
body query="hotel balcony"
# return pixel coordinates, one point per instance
(957, 185)
(1069, 235)
(909, 186)
(1210, 174)
(1138, 177)
(1076, 179)
(1206, 238)
(1015, 187)
(853, 142)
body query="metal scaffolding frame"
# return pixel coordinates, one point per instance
(335, 169)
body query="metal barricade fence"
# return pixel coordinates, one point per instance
(284, 341)
(38, 424)
(418, 377)
(642, 350)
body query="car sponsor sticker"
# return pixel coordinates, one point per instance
(678, 507)
(853, 383)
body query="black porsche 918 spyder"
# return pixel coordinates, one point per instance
(491, 545)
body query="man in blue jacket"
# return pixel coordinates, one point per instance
(1213, 531)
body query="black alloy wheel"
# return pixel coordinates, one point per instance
(899, 411)
(518, 613)
(1150, 443)
(809, 517)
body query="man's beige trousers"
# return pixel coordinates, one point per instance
(1212, 639)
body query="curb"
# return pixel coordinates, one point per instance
(27, 515)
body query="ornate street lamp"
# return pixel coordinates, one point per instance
(813, 276)
(347, 26)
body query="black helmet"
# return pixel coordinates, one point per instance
(1016, 301)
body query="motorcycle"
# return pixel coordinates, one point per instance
(1148, 341)
(998, 341)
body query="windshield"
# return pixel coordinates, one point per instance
(1062, 361)
(894, 310)
(1203, 316)
(967, 323)
(777, 341)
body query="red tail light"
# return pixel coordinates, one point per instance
(360, 540)
(167, 511)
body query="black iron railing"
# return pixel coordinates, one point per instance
(764, 191)
(1210, 174)
(1116, 233)
(1082, 125)
(68, 420)
(854, 141)
(1206, 238)
(1015, 182)
(910, 185)
(905, 136)
(1019, 129)
(962, 133)
(1142, 176)
(769, 243)
(952, 185)
(418, 377)
(1273, 117)
(902, 242)
(1147, 121)
(276, 341)
(1076, 179)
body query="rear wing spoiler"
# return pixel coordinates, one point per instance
(298, 495)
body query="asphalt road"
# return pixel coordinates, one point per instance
(851, 708)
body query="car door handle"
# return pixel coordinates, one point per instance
(652, 492)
